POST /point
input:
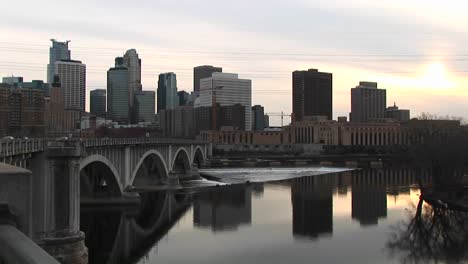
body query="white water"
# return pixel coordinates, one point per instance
(242, 175)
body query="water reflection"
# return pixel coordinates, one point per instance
(431, 235)
(312, 206)
(260, 218)
(224, 209)
(126, 234)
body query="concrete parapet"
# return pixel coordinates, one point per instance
(16, 192)
(15, 247)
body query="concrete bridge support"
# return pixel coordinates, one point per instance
(56, 204)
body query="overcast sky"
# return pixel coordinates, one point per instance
(416, 49)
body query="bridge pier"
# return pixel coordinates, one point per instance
(57, 203)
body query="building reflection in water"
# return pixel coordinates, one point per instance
(312, 206)
(223, 209)
(371, 186)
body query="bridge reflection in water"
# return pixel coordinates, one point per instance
(126, 234)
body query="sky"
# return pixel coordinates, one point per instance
(417, 49)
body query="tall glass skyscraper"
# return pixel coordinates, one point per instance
(118, 94)
(59, 51)
(131, 61)
(167, 91)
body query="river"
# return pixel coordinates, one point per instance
(343, 217)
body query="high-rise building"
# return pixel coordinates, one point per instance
(367, 102)
(144, 104)
(401, 115)
(98, 102)
(229, 90)
(167, 91)
(59, 51)
(258, 117)
(118, 95)
(21, 111)
(312, 94)
(131, 61)
(178, 122)
(59, 121)
(184, 98)
(72, 76)
(202, 72)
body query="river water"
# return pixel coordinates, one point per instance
(344, 217)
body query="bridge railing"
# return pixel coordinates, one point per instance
(15, 147)
(97, 142)
(20, 146)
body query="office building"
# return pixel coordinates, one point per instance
(258, 117)
(400, 115)
(145, 104)
(229, 91)
(368, 103)
(98, 102)
(72, 76)
(178, 122)
(202, 72)
(59, 51)
(132, 62)
(167, 91)
(118, 106)
(12, 80)
(21, 111)
(18, 82)
(312, 94)
(58, 120)
(184, 98)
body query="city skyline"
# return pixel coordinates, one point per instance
(420, 62)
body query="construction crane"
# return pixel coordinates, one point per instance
(282, 115)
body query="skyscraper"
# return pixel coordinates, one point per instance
(202, 72)
(98, 102)
(72, 76)
(184, 98)
(131, 61)
(144, 104)
(118, 94)
(59, 51)
(312, 94)
(229, 90)
(367, 102)
(167, 91)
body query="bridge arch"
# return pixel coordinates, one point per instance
(99, 178)
(199, 157)
(150, 169)
(181, 162)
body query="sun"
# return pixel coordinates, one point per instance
(435, 76)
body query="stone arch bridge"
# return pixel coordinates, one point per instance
(66, 171)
